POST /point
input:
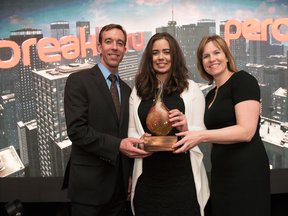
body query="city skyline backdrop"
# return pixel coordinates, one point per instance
(135, 16)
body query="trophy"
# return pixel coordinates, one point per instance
(158, 123)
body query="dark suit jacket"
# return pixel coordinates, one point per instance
(96, 133)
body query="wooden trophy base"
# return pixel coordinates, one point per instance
(159, 143)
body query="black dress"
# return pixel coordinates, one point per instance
(240, 172)
(166, 186)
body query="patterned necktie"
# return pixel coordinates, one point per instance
(114, 93)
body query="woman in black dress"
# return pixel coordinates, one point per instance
(240, 167)
(166, 183)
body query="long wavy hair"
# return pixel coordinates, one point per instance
(220, 43)
(146, 81)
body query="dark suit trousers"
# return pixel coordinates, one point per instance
(115, 207)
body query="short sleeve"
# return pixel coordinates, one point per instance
(245, 87)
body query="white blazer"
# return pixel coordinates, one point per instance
(194, 110)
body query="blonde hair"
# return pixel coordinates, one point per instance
(220, 43)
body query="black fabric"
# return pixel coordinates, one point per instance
(166, 186)
(240, 172)
(115, 207)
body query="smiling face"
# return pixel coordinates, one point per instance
(112, 49)
(214, 60)
(161, 57)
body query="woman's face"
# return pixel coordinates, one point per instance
(161, 56)
(214, 60)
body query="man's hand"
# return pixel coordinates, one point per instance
(141, 146)
(127, 148)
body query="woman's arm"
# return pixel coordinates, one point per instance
(247, 116)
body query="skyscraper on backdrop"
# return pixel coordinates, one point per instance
(8, 127)
(237, 47)
(29, 150)
(22, 75)
(209, 23)
(53, 142)
(86, 25)
(59, 29)
(188, 38)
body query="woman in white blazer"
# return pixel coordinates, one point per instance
(165, 182)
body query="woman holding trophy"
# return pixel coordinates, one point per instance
(165, 102)
(240, 174)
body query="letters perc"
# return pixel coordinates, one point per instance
(253, 29)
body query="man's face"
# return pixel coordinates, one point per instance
(112, 49)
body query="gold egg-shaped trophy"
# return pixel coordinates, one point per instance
(158, 123)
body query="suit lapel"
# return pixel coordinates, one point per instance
(124, 99)
(103, 88)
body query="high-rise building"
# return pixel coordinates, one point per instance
(171, 28)
(276, 60)
(266, 107)
(188, 38)
(9, 127)
(3, 139)
(237, 47)
(128, 67)
(6, 77)
(22, 75)
(52, 140)
(256, 70)
(280, 103)
(86, 25)
(274, 137)
(281, 30)
(259, 51)
(275, 76)
(222, 29)
(147, 36)
(59, 29)
(29, 152)
(209, 23)
(277, 49)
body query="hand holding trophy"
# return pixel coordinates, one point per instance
(158, 123)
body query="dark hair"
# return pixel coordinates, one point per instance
(109, 27)
(220, 43)
(146, 81)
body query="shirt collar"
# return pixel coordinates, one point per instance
(106, 72)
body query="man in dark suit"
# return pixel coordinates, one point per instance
(98, 171)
